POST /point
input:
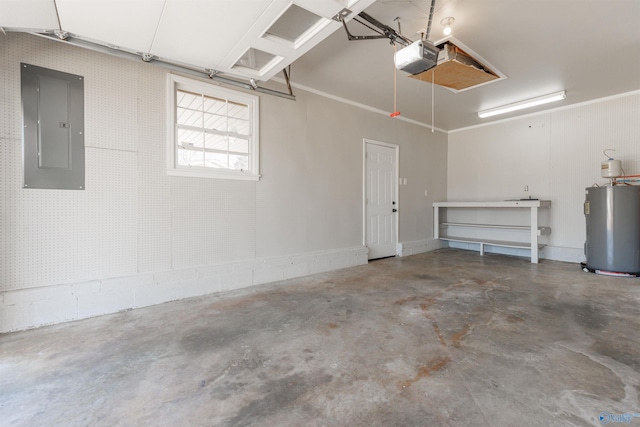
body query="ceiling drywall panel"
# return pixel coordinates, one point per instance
(127, 24)
(201, 33)
(34, 15)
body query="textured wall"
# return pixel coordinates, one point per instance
(133, 219)
(58, 236)
(556, 153)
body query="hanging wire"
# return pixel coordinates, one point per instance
(395, 73)
(433, 90)
(395, 76)
(55, 6)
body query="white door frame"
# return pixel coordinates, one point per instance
(396, 147)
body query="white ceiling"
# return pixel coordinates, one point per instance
(205, 34)
(590, 48)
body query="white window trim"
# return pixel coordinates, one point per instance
(175, 81)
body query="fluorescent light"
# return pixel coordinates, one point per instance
(558, 96)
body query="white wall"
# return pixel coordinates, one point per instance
(137, 237)
(556, 153)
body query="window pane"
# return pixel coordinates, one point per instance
(239, 145)
(190, 157)
(189, 117)
(216, 142)
(216, 160)
(238, 111)
(190, 138)
(192, 101)
(215, 122)
(215, 105)
(239, 126)
(238, 162)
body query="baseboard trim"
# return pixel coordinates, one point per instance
(34, 307)
(418, 247)
(556, 253)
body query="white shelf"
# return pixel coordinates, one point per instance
(533, 229)
(496, 204)
(489, 242)
(542, 231)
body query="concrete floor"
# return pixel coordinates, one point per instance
(446, 338)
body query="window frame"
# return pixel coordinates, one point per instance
(176, 82)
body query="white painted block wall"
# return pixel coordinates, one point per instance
(557, 154)
(136, 237)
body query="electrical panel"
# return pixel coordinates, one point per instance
(53, 129)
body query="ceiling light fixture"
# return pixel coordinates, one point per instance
(447, 24)
(552, 97)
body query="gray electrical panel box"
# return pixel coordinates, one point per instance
(53, 128)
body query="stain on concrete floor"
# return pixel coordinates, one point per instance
(446, 338)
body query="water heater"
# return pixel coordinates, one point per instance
(612, 215)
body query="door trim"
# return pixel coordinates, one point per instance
(396, 147)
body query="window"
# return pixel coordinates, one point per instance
(213, 131)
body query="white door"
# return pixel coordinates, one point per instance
(381, 203)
